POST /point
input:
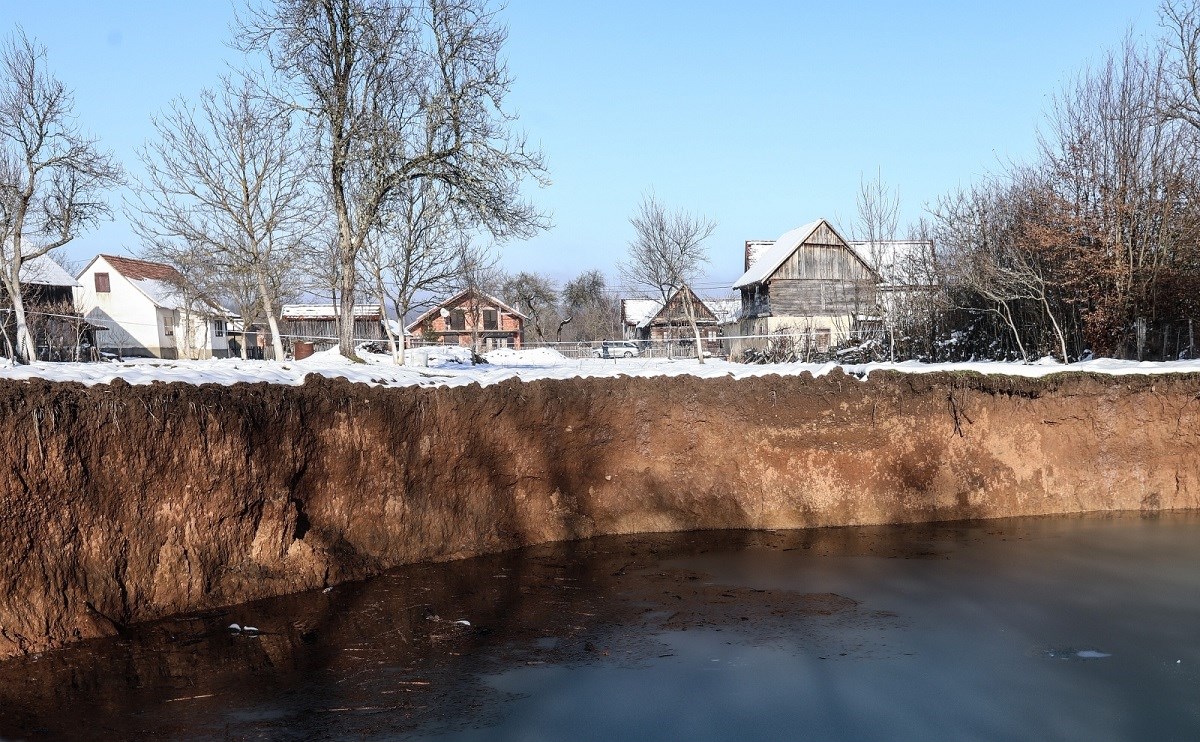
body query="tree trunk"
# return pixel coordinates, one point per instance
(346, 313)
(272, 320)
(401, 312)
(381, 296)
(1062, 340)
(25, 350)
(690, 311)
(1007, 315)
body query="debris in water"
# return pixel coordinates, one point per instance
(247, 630)
(1091, 654)
(463, 622)
(327, 590)
(189, 698)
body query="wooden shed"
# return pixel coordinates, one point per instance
(318, 323)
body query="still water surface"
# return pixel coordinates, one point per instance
(1050, 628)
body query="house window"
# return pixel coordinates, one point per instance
(489, 320)
(102, 284)
(168, 324)
(458, 319)
(219, 328)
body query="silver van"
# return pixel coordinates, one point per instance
(618, 349)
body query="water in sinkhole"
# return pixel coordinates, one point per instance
(1078, 627)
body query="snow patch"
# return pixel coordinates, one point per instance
(452, 366)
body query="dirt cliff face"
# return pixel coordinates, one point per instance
(121, 504)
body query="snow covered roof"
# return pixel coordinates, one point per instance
(328, 311)
(754, 251)
(725, 310)
(639, 312)
(44, 271)
(771, 258)
(898, 262)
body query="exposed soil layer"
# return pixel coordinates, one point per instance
(122, 503)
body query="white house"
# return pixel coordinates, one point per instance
(149, 312)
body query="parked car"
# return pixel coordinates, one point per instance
(618, 349)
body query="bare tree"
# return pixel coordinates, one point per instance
(396, 92)
(416, 252)
(592, 310)
(1180, 20)
(478, 275)
(878, 219)
(535, 295)
(666, 255)
(231, 177)
(52, 175)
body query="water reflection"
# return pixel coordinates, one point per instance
(1033, 628)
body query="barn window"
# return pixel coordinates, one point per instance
(458, 319)
(102, 284)
(489, 320)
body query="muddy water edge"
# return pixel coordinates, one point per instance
(122, 504)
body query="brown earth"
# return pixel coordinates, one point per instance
(121, 504)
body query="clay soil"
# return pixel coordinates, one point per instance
(122, 504)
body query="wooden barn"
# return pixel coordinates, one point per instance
(809, 281)
(650, 319)
(60, 332)
(469, 318)
(317, 324)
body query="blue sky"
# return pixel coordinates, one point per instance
(760, 115)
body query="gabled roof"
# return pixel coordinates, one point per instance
(776, 255)
(44, 271)
(773, 257)
(139, 270)
(642, 312)
(455, 300)
(160, 283)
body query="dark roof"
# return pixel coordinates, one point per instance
(143, 269)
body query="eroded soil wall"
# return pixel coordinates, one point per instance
(121, 504)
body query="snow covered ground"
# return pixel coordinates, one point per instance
(452, 367)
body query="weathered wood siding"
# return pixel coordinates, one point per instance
(823, 277)
(816, 297)
(675, 313)
(823, 262)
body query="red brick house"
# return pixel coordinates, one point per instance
(469, 318)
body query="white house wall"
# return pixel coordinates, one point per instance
(133, 321)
